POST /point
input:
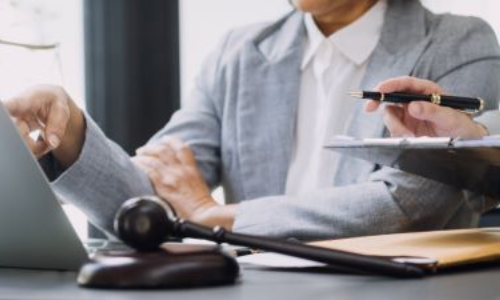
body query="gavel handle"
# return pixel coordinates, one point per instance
(346, 260)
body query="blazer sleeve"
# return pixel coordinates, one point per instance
(473, 71)
(394, 201)
(100, 180)
(391, 201)
(104, 177)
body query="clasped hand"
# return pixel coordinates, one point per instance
(173, 171)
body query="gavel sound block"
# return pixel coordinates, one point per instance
(173, 266)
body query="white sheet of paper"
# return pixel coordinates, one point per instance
(419, 142)
(275, 260)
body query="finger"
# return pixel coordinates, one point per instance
(56, 124)
(22, 127)
(27, 102)
(162, 151)
(145, 168)
(371, 106)
(443, 118)
(169, 175)
(168, 156)
(183, 152)
(152, 167)
(157, 141)
(38, 147)
(154, 163)
(168, 180)
(35, 124)
(147, 162)
(394, 123)
(164, 183)
(409, 84)
(160, 188)
(13, 106)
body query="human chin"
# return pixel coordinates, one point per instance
(315, 6)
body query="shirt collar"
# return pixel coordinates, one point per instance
(356, 41)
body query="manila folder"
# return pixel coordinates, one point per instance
(451, 248)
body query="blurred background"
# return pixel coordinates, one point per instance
(131, 63)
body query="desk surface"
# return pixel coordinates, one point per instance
(266, 284)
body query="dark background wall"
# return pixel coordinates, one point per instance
(132, 66)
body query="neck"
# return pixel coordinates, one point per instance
(340, 17)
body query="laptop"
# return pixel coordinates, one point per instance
(34, 230)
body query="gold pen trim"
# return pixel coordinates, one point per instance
(436, 99)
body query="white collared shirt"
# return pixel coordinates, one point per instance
(332, 66)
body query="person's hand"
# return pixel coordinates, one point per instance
(171, 167)
(423, 118)
(50, 110)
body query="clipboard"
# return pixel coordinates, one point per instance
(472, 165)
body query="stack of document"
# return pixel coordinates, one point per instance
(448, 249)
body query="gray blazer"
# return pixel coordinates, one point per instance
(240, 122)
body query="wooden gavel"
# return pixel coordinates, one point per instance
(145, 223)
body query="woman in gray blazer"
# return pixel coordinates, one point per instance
(239, 128)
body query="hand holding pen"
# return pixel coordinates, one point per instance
(420, 118)
(465, 104)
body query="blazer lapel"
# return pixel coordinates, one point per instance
(270, 87)
(402, 42)
(267, 102)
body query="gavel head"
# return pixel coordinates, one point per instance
(144, 223)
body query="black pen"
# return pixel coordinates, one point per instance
(461, 103)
